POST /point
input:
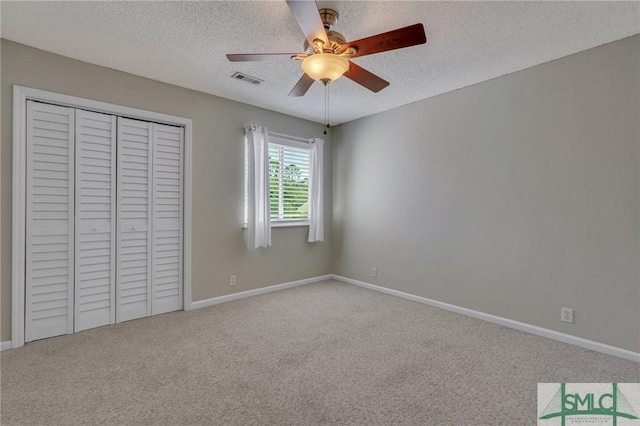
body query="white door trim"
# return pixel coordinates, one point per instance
(18, 244)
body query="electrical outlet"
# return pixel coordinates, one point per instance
(232, 280)
(374, 272)
(567, 315)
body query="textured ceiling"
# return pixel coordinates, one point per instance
(185, 43)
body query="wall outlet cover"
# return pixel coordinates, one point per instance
(567, 315)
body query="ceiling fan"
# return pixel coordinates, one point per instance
(327, 52)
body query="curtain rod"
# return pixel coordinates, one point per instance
(282, 135)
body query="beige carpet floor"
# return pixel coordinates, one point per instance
(325, 353)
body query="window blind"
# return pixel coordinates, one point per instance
(288, 182)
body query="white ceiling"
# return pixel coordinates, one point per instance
(184, 43)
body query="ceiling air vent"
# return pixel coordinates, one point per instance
(247, 78)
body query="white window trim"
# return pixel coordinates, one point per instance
(281, 139)
(18, 241)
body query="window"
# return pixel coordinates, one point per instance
(288, 182)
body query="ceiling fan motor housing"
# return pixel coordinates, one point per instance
(329, 18)
(335, 41)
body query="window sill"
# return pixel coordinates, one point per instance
(285, 224)
(288, 223)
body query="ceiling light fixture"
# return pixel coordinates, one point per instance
(325, 67)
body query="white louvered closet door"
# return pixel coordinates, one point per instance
(167, 218)
(95, 219)
(49, 291)
(133, 293)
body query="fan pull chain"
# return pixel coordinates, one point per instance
(326, 107)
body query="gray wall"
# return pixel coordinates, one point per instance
(218, 241)
(514, 197)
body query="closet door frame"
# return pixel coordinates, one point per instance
(19, 195)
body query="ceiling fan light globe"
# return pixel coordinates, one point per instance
(325, 67)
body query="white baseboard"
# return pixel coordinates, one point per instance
(5, 345)
(539, 331)
(241, 295)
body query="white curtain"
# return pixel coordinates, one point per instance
(258, 213)
(316, 203)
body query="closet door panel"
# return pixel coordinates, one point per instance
(167, 222)
(134, 222)
(49, 291)
(95, 219)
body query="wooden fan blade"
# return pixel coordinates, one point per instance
(365, 78)
(306, 13)
(301, 86)
(396, 39)
(247, 57)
